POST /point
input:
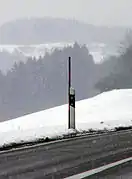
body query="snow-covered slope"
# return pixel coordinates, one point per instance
(35, 50)
(107, 110)
(98, 50)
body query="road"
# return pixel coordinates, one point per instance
(66, 158)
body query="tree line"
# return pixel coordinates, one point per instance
(119, 69)
(40, 84)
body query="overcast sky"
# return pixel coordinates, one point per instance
(106, 12)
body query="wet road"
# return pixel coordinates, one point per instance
(63, 159)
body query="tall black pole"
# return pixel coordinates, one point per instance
(69, 86)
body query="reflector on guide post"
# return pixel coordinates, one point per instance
(72, 108)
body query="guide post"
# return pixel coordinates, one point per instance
(71, 97)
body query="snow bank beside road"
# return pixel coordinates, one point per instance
(105, 111)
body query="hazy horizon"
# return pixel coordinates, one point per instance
(96, 12)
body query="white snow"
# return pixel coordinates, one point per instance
(34, 50)
(37, 50)
(107, 110)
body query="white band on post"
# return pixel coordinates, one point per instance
(72, 108)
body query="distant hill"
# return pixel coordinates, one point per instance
(46, 30)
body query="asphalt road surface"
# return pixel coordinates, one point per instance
(63, 159)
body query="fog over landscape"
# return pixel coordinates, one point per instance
(38, 36)
(65, 89)
(96, 12)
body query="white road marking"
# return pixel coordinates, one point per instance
(98, 170)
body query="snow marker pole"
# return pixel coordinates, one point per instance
(69, 86)
(71, 97)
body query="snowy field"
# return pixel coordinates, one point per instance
(98, 50)
(35, 50)
(105, 111)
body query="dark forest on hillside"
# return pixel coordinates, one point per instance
(40, 84)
